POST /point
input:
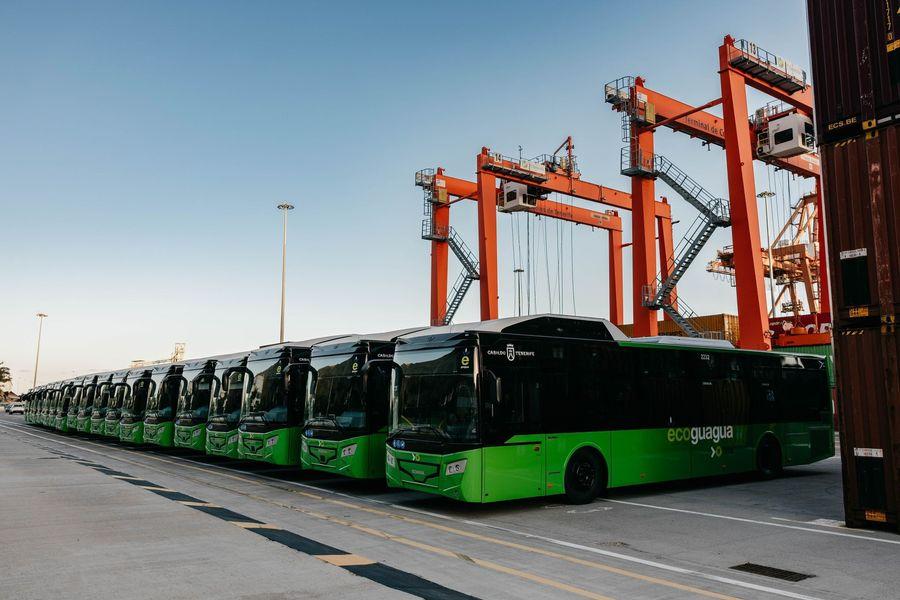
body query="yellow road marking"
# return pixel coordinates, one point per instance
(451, 530)
(155, 488)
(345, 560)
(193, 503)
(251, 525)
(125, 477)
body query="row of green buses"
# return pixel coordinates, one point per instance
(481, 412)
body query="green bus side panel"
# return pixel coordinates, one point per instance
(132, 432)
(534, 465)
(190, 436)
(98, 426)
(360, 457)
(279, 446)
(222, 443)
(71, 423)
(159, 434)
(62, 424)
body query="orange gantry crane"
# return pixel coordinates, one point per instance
(741, 64)
(523, 187)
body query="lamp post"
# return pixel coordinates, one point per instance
(765, 198)
(37, 356)
(518, 273)
(284, 208)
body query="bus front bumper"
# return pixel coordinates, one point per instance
(222, 443)
(456, 475)
(360, 457)
(190, 436)
(132, 432)
(279, 447)
(98, 426)
(159, 434)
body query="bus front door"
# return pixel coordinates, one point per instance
(514, 469)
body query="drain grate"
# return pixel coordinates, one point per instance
(771, 572)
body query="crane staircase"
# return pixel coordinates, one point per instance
(432, 232)
(714, 213)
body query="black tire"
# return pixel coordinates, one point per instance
(585, 477)
(768, 458)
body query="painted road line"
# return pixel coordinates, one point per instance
(345, 560)
(315, 548)
(568, 558)
(866, 538)
(355, 564)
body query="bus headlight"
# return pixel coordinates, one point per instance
(390, 459)
(272, 440)
(304, 447)
(348, 451)
(457, 467)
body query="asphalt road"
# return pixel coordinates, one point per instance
(88, 518)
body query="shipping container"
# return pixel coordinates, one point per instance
(861, 194)
(721, 327)
(868, 400)
(855, 49)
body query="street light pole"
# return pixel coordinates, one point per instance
(284, 208)
(765, 198)
(37, 356)
(518, 272)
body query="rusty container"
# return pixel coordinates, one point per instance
(868, 401)
(855, 49)
(861, 193)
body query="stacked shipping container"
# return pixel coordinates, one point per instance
(856, 76)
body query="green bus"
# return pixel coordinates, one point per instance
(272, 411)
(159, 418)
(101, 403)
(86, 406)
(231, 379)
(70, 416)
(47, 397)
(198, 386)
(347, 405)
(134, 405)
(542, 405)
(121, 389)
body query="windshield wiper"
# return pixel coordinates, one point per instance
(422, 428)
(259, 415)
(313, 422)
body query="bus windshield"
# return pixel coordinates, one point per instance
(135, 403)
(336, 398)
(103, 397)
(274, 395)
(71, 406)
(194, 402)
(87, 401)
(117, 400)
(226, 405)
(162, 403)
(433, 395)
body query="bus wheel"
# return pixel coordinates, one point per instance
(768, 457)
(585, 477)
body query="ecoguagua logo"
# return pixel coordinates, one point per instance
(695, 435)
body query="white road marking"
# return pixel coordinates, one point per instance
(865, 538)
(563, 543)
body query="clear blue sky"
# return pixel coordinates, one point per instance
(144, 146)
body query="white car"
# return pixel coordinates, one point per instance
(17, 408)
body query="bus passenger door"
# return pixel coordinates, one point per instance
(513, 457)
